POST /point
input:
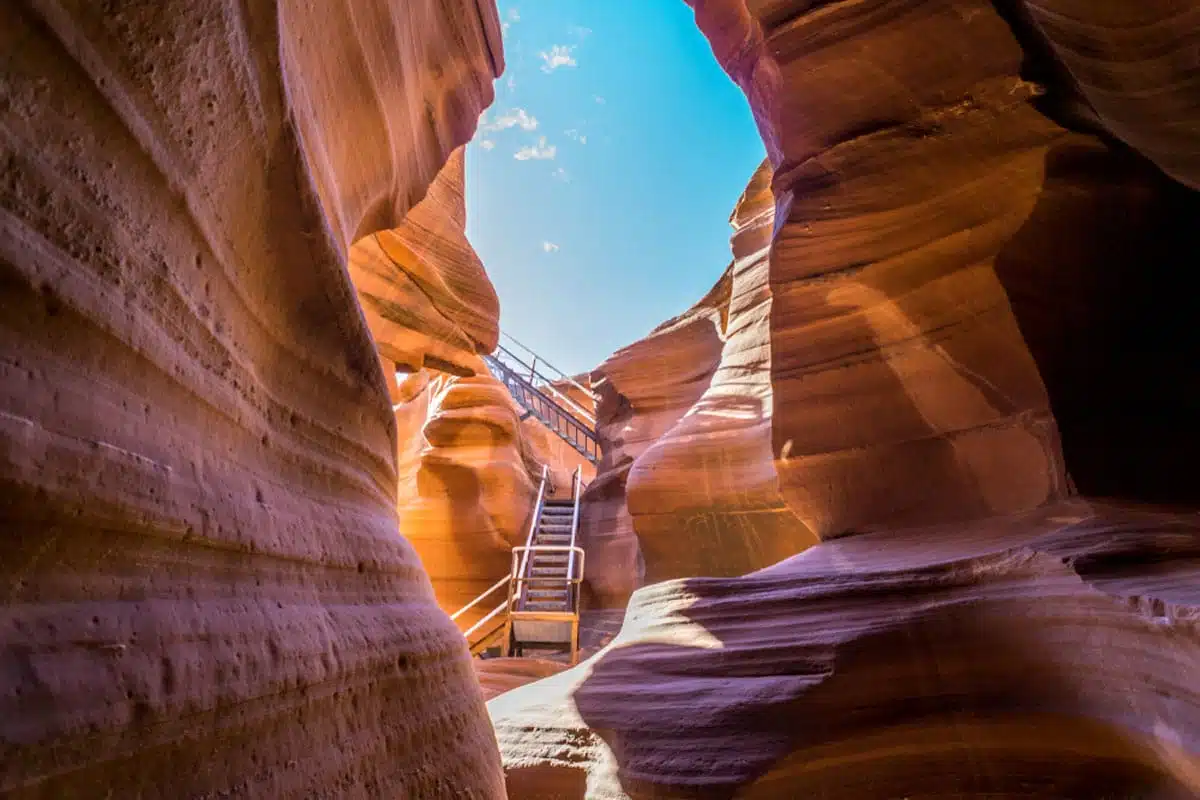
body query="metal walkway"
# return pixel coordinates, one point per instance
(541, 610)
(545, 397)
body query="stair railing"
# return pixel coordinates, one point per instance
(482, 625)
(495, 586)
(558, 419)
(576, 490)
(572, 580)
(544, 384)
(519, 575)
(559, 374)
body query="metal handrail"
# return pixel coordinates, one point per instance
(548, 384)
(529, 396)
(577, 487)
(479, 599)
(490, 616)
(533, 526)
(561, 375)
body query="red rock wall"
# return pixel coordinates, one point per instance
(204, 587)
(904, 391)
(423, 289)
(473, 492)
(966, 267)
(643, 390)
(469, 482)
(685, 417)
(468, 465)
(1017, 658)
(915, 328)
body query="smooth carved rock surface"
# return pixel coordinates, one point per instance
(205, 592)
(474, 488)
(426, 297)
(642, 391)
(1046, 655)
(685, 416)
(970, 315)
(1134, 67)
(500, 675)
(469, 469)
(947, 254)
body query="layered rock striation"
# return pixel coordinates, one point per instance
(1046, 655)
(925, 355)
(685, 416)
(977, 209)
(474, 489)
(469, 458)
(204, 586)
(423, 289)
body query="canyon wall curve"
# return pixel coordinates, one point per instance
(204, 581)
(965, 196)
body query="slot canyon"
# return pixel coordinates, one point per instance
(926, 442)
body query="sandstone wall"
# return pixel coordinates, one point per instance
(204, 587)
(642, 391)
(469, 477)
(694, 422)
(468, 463)
(1019, 658)
(915, 326)
(474, 490)
(969, 275)
(423, 289)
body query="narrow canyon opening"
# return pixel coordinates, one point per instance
(899, 504)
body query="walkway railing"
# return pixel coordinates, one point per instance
(528, 573)
(538, 377)
(566, 418)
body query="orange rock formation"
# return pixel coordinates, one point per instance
(468, 461)
(423, 290)
(951, 308)
(474, 489)
(686, 418)
(1021, 658)
(203, 584)
(956, 322)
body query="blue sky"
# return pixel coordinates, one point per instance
(600, 184)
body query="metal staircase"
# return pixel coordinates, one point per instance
(542, 608)
(546, 397)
